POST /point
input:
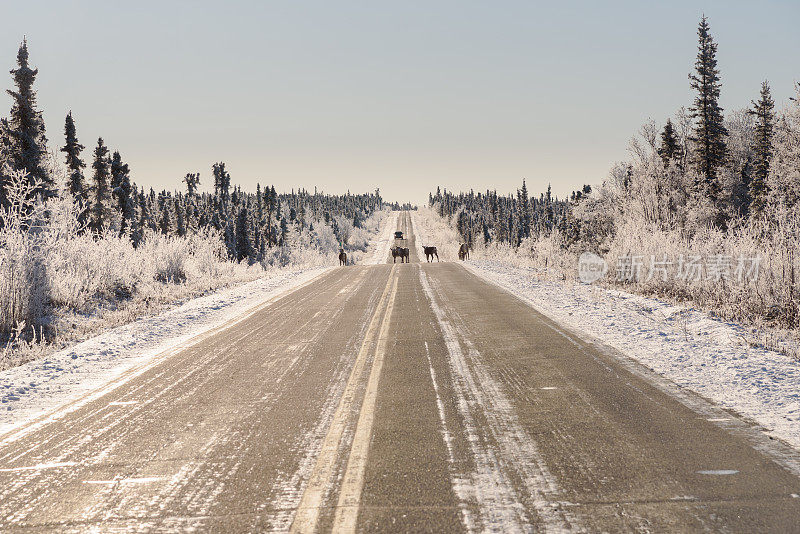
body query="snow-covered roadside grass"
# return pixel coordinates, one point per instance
(90, 368)
(688, 347)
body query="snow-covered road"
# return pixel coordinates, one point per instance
(402, 397)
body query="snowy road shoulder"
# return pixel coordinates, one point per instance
(40, 387)
(693, 350)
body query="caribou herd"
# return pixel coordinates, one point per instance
(404, 253)
(430, 252)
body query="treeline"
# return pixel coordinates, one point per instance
(107, 199)
(491, 218)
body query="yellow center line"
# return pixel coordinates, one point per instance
(307, 515)
(353, 481)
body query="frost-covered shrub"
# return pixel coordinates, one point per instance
(23, 266)
(171, 258)
(323, 238)
(23, 281)
(361, 237)
(209, 254)
(84, 269)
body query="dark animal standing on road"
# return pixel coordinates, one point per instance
(463, 252)
(402, 253)
(342, 257)
(430, 252)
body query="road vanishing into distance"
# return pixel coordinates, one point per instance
(396, 398)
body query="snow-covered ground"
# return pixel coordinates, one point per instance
(706, 355)
(65, 380)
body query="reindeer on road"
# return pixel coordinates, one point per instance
(401, 252)
(430, 252)
(342, 257)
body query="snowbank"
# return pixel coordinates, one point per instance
(706, 355)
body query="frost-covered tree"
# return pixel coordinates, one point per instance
(192, 181)
(524, 213)
(180, 216)
(490, 217)
(784, 171)
(101, 193)
(25, 130)
(76, 182)
(222, 181)
(121, 192)
(284, 231)
(271, 203)
(764, 113)
(244, 237)
(167, 219)
(143, 218)
(709, 131)
(670, 149)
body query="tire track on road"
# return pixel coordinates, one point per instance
(505, 456)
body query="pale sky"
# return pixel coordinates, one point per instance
(403, 96)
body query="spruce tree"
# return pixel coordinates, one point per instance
(25, 127)
(709, 131)
(242, 235)
(222, 181)
(76, 182)
(670, 149)
(101, 193)
(764, 113)
(271, 201)
(144, 216)
(180, 215)
(192, 181)
(284, 231)
(549, 214)
(167, 222)
(121, 191)
(525, 212)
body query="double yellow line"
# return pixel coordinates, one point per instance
(308, 512)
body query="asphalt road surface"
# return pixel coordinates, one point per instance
(396, 398)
